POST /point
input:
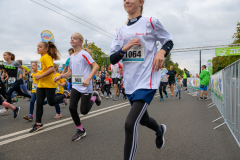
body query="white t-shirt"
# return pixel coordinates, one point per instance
(139, 75)
(114, 69)
(80, 65)
(164, 75)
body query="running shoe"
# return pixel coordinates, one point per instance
(16, 112)
(36, 128)
(107, 97)
(65, 101)
(161, 99)
(205, 98)
(125, 97)
(110, 95)
(67, 94)
(114, 98)
(98, 100)
(167, 96)
(79, 135)
(4, 110)
(185, 90)
(58, 116)
(200, 99)
(160, 136)
(28, 117)
(179, 97)
(101, 95)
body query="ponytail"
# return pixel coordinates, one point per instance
(52, 50)
(88, 49)
(11, 55)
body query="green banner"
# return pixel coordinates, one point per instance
(227, 51)
(210, 67)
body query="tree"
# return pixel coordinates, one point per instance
(236, 36)
(97, 53)
(221, 62)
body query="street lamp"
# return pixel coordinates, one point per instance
(105, 56)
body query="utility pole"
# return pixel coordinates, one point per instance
(200, 62)
(86, 43)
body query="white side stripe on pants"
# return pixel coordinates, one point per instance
(135, 132)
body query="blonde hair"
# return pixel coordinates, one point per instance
(55, 66)
(87, 48)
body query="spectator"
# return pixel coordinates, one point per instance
(204, 81)
(185, 76)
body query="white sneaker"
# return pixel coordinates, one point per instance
(2, 111)
(101, 95)
(110, 96)
(107, 97)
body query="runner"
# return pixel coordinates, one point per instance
(163, 83)
(34, 89)
(136, 44)
(107, 85)
(179, 85)
(14, 82)
(115, 69)
(46, 86)
(69, 87)
(24, 86)
(171, 79)
(59, 91)
(103, 72)
(80, 69)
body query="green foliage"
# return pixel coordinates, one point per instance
(96, 54)
(236, 36)
(168, 62)
(221, 62)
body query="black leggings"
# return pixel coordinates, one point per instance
(85, 106)
(16, 87)
(138, 113)
(107, 89)
(3, 89)
(162, 88)
(42, 93)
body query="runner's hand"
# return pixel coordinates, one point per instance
(131, 43)
(24, 77)
(37, 77)
(55, 79)
(158, 61)
(86, 82)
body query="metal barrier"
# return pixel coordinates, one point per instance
(225, 95)
(193, 85)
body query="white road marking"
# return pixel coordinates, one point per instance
(69, 121)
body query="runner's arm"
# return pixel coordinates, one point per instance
(64, 70)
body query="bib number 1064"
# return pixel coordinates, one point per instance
(133, 54)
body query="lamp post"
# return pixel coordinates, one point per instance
(105, 56)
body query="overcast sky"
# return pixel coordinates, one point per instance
(192, 23)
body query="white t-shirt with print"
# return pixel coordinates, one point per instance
(115, 68)
(164, 74)
(139, 75)
(80, 64)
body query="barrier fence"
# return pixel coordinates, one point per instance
(224, 89)
(225, 94)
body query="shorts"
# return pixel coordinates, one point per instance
(115, 80)
(141, 94)
(170, 82)
(203, 88)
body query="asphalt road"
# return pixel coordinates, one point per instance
(190, 134)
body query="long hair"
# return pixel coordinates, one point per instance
(52, 50)
(86, 48)
(11, 55)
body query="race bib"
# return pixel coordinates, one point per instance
(135, 54)
(57, 89)
(107, 82)
(77, 79)
(162, 79)
(34, 86)
(119, 82)
(11, 80)
(39, 66)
